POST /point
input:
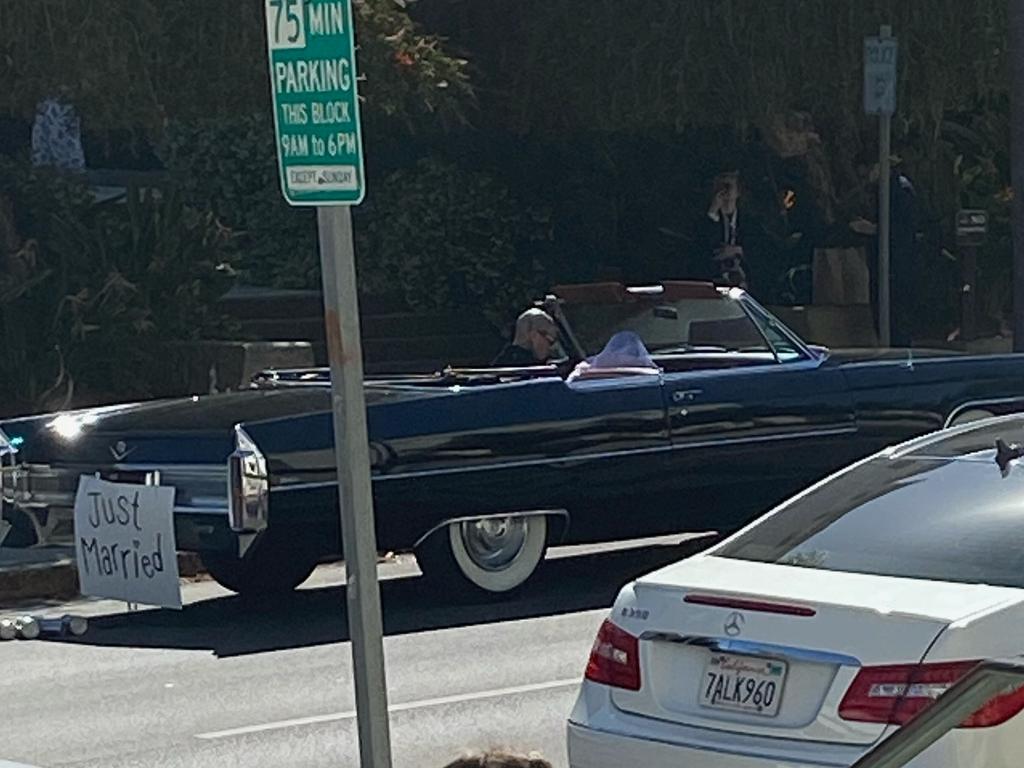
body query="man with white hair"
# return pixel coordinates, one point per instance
(534, 341)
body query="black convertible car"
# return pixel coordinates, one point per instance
(479, 470)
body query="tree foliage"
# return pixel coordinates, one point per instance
(90, 293)
(786, 74)
(134, 64)
(228, 166)
(634, 65)
(446, 237)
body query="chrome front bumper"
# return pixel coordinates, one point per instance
(236, 492)
(199, 489)
(45, 494)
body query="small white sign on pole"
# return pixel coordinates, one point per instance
(124, 541)
(880, 74)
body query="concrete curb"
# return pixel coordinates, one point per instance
(58, 580)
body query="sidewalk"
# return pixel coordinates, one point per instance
(50, 573)
(44, 573)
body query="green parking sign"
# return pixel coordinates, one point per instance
(311, 47)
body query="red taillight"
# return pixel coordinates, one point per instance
(894, 694)
(741, 604)
(614, 659)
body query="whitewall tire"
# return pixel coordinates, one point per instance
(492, 555)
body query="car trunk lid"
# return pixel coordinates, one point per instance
(800, 635)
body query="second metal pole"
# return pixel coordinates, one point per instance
(352, 454)
(884, 213)
(1016, 13)
(969, 293)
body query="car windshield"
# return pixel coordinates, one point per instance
(940, 519)
(667, 326)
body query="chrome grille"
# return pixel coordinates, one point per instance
(198, 488)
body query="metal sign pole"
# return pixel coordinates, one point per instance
(320, 159)
(971, 230)
(969, 277)
(884, 213)
(1017, 166)
(352, 454)
(880, 77)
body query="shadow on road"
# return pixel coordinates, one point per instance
(231, 626)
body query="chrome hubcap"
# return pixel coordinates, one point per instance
(494, 543)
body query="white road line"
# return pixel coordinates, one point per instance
(668, 540)
(403, 707)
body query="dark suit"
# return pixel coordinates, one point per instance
(514, 356)
(711, 237)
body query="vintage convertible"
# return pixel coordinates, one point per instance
(477, 471)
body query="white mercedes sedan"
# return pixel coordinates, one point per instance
(811, 635)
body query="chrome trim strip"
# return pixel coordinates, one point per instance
(247, 482)
(744, 299)
(198, 470)
(757, 326)
(585, 457)
(20, 494)
(748, 647)
(174, 469)
(978, 403)
(522, 463)
(304, 486)
(500, 516)
(50, 501)
(8, 462)
(205, 509)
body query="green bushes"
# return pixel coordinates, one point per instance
(430, 236)
(90, 292)
(230, 167)
(447, 238)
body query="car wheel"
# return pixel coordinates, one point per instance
(267, 569)
(973, 414)
(493, 555)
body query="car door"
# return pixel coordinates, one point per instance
(616, 457)
(594, 448)
(746, 437)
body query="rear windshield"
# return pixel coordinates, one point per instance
(947, 520)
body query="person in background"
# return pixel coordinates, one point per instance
(905, 273)
(534, 341)
(722, 236)
(906, 288)
(498, 759)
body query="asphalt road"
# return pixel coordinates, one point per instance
(225, 683)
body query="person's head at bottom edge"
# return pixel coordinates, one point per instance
(500, 759)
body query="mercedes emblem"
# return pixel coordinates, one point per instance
(734, 624)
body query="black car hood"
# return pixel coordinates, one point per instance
(205, 423)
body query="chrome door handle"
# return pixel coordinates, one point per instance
(685, 395)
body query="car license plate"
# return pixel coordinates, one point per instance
(743, 684)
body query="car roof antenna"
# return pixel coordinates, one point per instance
(1005, 453)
